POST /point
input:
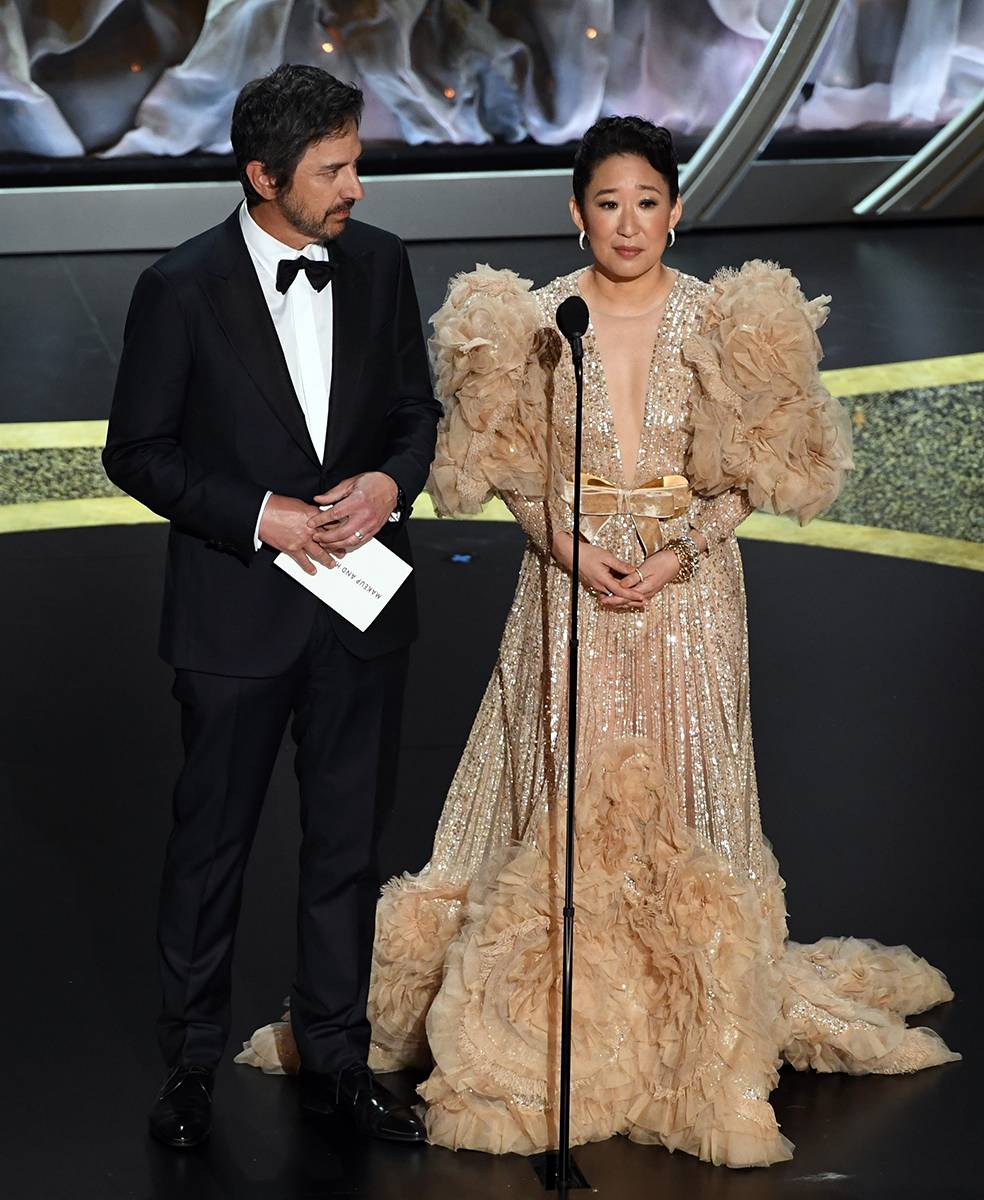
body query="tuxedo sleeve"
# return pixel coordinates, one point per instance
(143, 453)
(413, 412)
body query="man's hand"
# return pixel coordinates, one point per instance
(360, 507)
(285, 527)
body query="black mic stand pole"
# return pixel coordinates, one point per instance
(566, 1174)
(565, 1168)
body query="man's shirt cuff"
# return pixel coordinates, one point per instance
(256, 532)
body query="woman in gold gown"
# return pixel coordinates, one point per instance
(702, 402)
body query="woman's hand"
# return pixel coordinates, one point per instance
(661, 568)
(600, 571)
(657, 571)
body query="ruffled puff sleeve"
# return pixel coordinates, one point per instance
(762, 423)
(491, 367)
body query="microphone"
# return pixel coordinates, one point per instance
(572, 321)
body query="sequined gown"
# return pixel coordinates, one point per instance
(687, 994)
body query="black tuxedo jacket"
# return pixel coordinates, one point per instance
(205, 420)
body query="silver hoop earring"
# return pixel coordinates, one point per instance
(580, 239)
(671, 241)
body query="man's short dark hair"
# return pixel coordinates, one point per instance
(625, 135)
(277, 117)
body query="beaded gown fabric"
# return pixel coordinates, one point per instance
(687, 993)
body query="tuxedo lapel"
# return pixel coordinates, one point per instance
(237, 300)
(351, 288)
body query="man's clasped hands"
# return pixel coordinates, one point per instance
(341, 519)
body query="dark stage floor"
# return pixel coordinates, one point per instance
(865, 674)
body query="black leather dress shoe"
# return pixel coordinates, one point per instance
(357, 1094)
(182, 1112)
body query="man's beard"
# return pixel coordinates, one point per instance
(304, 222)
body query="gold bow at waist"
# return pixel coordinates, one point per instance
(658, 500)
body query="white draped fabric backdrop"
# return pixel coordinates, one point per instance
(159, 77)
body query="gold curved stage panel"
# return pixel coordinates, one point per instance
(915, 494)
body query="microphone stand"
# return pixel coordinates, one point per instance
(561, 1173)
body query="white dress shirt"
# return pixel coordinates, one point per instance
(302, 318)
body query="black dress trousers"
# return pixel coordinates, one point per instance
(346, 727)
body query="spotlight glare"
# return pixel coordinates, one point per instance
(449, 93)
(591, 33)
(328, 47)
(135, 67)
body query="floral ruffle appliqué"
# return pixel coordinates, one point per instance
(486, 356)
(686, 993)
(761, 419)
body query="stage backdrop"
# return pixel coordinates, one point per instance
(118, 78)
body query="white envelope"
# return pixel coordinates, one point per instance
(359, 587)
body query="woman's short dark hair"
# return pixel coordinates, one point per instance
(625, 135)
(277, 117)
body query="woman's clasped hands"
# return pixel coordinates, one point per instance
(617, 584)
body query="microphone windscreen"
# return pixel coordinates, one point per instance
(572, 317)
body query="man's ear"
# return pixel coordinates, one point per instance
(261, 180)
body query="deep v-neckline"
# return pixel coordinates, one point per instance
(647, 407)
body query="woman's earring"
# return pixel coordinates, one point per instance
(671, 240)
(580, 239)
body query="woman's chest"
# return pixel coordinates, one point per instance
(638, 391)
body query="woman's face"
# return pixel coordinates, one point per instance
(627, 215)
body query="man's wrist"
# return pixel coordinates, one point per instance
(399, 505)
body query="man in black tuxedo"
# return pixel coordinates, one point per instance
(273, 395)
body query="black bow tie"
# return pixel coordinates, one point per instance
(318, 273)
